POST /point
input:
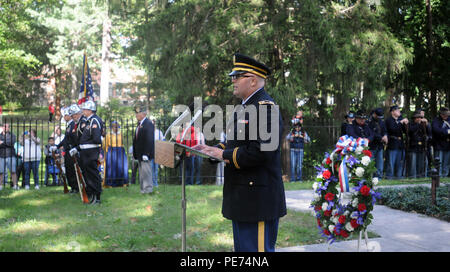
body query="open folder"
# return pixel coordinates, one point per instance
(166, 152)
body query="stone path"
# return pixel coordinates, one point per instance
(400, 231)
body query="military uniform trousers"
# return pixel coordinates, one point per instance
(70, 171)
(89, 159)
(255, 237)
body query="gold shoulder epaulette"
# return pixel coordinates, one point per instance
(266, 102)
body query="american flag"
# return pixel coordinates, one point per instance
(86, 91)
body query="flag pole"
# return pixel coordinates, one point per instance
(84, 74)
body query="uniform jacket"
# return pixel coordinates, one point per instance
(418, 137)
(357, 131)
(77, 131)
(144, 143)
(68, 141)
(379, 131)
(344, 127)
(253, 188)
(441, 137)
(395, 132)
(92, 133)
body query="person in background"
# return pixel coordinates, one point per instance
(297, 139)
(441, 138)
(144, 148)
(349, 117)
(57, 135)
(359, 128)
(197, 159)
(190, 139)
(89, 147)
(116, 163)
(50, 164)
(7, 155)
(377, 125)
(71, 115)
(395, 127)
(18, 147)
(51, 112)
(31, 157)
(158, 137)
(418, 135)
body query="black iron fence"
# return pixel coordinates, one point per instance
(323, 133)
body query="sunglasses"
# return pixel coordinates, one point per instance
(236, 77)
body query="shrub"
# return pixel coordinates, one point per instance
(418, 199)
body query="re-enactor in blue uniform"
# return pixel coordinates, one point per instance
(253, 192)
(441, 138)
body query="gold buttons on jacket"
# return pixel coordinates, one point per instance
(250, 183)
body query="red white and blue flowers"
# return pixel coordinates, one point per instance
(344, 194)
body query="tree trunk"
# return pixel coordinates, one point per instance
(106, 47)
(430, 53)
(57, 75)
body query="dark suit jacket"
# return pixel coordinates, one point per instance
(253, 188)
(144, 144)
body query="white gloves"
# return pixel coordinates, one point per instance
(73, 151)
(52, 148)
(144, 158)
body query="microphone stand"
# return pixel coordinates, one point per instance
(183, 184)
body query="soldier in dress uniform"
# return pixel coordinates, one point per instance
(418, 137)
(441, 139)
(89, 147)
(396, 127)
(67, 143)
(359, 128)
(253, 192)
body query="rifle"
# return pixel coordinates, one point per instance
(61, 173)
(406, 161)
(428, 151)
(80, 180)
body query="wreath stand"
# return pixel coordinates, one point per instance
(359, 241)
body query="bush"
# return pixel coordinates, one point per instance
(417, 199)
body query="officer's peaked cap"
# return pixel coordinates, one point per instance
(243, 64)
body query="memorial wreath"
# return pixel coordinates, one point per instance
(344, 193)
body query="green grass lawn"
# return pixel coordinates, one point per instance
(48, 220)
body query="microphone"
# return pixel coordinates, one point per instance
(196, 116)
(180, 118)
